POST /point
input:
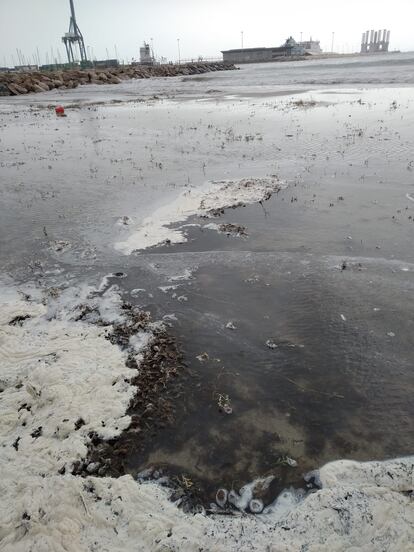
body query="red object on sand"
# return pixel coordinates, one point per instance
(59, 111)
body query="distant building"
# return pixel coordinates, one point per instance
(26, 68)
(145, 55)
(106, 63)
(311, 46)
(258, 55)
(374, 42)
(64, 66)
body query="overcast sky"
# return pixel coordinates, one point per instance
(204, 27)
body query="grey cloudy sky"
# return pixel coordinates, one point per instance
(204, 26)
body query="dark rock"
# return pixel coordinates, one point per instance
(4, 91)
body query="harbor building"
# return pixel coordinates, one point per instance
(258, 55)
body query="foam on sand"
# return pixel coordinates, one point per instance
(214, 196)
(56, 368)
(55, 372)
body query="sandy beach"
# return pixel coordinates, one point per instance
(206, 321)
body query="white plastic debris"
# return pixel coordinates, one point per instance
(256, 506)
(271, 344)
(221, 497)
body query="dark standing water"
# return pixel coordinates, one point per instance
(336, 382)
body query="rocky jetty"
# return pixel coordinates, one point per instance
(14, 84)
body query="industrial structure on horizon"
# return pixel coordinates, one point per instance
(74, 38)
(146, 57)
(311, 46)
(74, 43)
(258, 55)
(374, 42)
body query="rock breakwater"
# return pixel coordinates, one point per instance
(14, 84)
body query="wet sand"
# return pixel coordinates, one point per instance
(304, 325)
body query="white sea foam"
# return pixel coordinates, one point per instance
(55, 370)
(181, 276)
(166, 289)
(212, 226)
(135, 292)
(154, 230)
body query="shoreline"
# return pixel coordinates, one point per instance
(321, 56)
(38, 503)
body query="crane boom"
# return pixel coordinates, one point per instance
(72, 11)
(74, 38)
